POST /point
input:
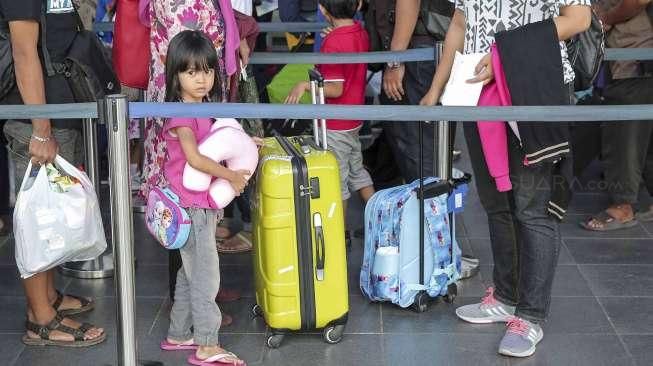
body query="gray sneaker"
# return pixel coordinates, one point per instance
(489, 310)
(521, 338)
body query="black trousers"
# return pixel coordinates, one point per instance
(403, 136)
(625, 145)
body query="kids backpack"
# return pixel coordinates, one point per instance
(166, 220)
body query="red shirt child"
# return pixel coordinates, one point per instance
(346, 39)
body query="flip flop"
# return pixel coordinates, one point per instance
(609, 223)
(245, 244)
(215, 360)
(86, 305)
(184, 346)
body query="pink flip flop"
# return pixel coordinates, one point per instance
(215, 360)
(185, 346)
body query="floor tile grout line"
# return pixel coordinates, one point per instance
(499, 332)
(603, 238)
(14, 362)
(571, 255)
(156, 317)
(645, 229)
(615, 264)
(619, 337)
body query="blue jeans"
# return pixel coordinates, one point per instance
(525, 239)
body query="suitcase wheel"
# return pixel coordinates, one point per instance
(274, 340)
(452, 292)
(257, 311)
(333, 334)
(421, 303)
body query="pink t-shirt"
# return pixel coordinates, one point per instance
(174, 165)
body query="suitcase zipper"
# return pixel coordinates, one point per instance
(304, 238)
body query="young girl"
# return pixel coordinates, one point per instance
(191, 78)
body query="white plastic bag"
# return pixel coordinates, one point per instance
(55, 226)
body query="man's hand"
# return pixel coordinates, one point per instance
(42, 152)
(483, 71)
(393, 83)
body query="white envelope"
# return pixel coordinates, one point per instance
(458, 92)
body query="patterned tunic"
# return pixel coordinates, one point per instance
(170, 17)
(484, 18)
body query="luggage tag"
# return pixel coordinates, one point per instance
(456, 200)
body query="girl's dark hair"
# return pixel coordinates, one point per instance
(341, 9)
(189, 50)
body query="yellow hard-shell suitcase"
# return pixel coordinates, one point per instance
(300, 265)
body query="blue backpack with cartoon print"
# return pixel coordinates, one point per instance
(168, 222)
(391, 264)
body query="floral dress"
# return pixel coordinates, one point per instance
(170, 17)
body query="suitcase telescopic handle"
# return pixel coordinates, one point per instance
(319, 246)
(315, 75)
(317, 97)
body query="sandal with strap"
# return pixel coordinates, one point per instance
(216, 360)
(607, 223)
(43, 331)
(86, 305)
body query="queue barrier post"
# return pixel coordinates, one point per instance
(116, 116)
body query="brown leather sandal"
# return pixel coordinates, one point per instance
(43, 331)
(86, 305)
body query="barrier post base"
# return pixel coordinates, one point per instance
(102, 267)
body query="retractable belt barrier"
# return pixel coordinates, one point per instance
(412, 55)
(362, 112)
(264, 27)
(115, 112)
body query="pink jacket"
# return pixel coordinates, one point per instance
(493, 134)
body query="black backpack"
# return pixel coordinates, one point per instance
(86, 68)
(586, 51)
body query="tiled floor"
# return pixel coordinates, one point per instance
(601, 313)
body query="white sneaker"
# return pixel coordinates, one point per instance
(521, 338)
(489, 310)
